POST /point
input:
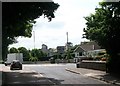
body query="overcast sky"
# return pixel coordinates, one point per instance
(68, 18)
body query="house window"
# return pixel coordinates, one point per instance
(80, 53)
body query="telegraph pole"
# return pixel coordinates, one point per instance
(34, 38)
(67, 36)
(67, 41)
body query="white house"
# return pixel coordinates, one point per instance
(87, 49)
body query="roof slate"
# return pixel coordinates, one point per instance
(87, 47)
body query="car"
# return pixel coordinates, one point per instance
(16, 64)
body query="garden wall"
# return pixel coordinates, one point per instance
(97, 65)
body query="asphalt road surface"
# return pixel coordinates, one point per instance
(47, 75)
(57, 74)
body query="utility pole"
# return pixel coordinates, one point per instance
(67, 41)
(67, 47)
(34, 38)
(67, 36)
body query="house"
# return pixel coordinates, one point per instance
(60, 49)
(78, 52)
(45, 49)
(51, 52)
(87, 49)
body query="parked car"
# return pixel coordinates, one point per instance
(16, 64)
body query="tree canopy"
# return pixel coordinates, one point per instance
(26, 53)
(18, 19)
(19, 16)
(13, 50)
(104, 27)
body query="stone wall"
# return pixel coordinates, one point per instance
(98, 65)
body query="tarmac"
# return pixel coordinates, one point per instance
(31, 76)
(96, 74)
(25, 77)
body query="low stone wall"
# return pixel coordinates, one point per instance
(98, 65)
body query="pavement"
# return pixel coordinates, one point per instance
(96, 74)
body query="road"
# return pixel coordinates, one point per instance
(47, 75)
(58, 75)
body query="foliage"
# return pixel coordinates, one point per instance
(69, 55)
(38, 54)
(103, 27)
(26, 54)
(18, 19)
(33, 58)
(34, 54)
(13, 50)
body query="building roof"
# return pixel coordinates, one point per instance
(60, 47)
(78, 49)
(87, 46)
(90, 46)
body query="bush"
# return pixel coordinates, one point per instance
(33, 59)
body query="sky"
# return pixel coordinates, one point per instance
(69, 17)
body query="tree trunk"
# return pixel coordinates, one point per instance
(4, 47)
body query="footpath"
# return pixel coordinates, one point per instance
(96, 74)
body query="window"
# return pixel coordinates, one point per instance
(80, 53)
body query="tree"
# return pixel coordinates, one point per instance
(13, 50)
(104, 27)
(32, 58)
(26, 54)
(38, 54)
(18, 19)
(69, 55)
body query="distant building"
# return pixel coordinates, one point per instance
(60, 49)
(51, 52)
(45, 49)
